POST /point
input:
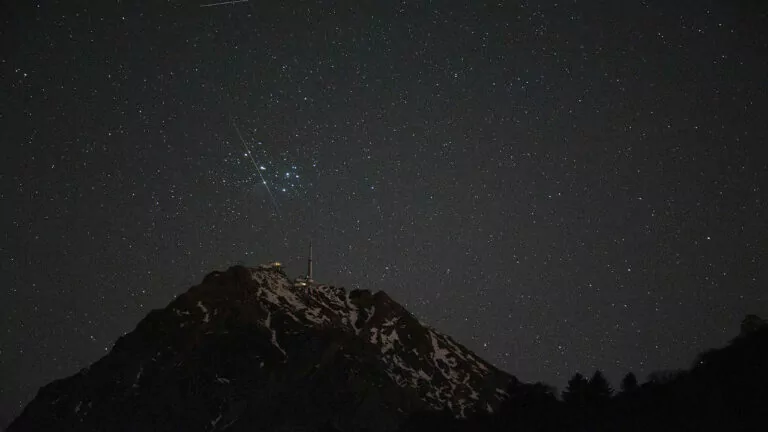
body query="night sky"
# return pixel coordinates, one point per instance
(560, 187)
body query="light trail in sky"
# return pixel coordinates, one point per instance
(224, 3)
(256, 167)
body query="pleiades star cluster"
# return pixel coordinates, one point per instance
(561, 186)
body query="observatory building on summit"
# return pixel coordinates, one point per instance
(301, 281)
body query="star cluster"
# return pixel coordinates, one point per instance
(278, 171)
(560, 186)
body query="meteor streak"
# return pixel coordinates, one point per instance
(224, 3)
(256, 166)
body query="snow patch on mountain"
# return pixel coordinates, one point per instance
(268, 325)
(352, 314)
(387, 341)
(215, 421)
(440, 355)
(138, 377)
(206, 317)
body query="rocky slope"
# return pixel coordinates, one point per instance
(247, 351)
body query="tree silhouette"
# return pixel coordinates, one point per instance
(629, 383)
(750, 324)
(599, 388)
(528, 407)
(576, 391)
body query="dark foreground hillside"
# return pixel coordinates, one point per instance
(724, 390)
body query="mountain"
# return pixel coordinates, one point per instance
(247, 350)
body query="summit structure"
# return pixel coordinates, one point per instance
(309, 264)
(307, 280)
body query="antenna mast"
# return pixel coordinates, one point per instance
(309, 263)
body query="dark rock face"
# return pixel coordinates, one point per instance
(247, 351)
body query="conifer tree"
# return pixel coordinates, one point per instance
(599, 388)
(629, 383)
(576, 391)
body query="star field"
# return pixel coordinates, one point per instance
(558, 186)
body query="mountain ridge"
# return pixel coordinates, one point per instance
(246, 347)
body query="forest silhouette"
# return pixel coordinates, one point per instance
(725, 389)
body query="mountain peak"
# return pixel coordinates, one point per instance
(245, 335)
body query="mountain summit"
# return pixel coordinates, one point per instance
(247, 350)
